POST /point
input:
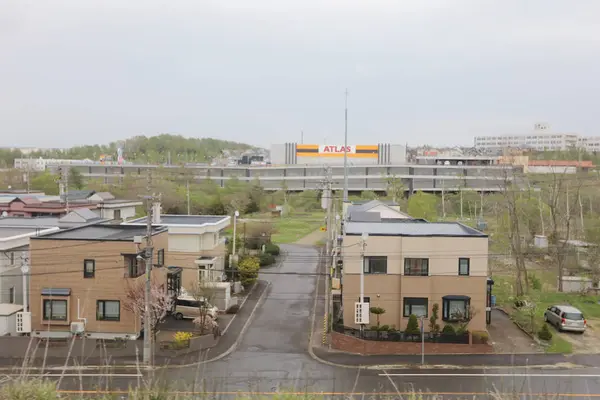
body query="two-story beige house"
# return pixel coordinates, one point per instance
(410, 265)
(81, 276)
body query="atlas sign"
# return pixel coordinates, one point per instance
(327, 149)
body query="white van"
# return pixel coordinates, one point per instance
(189, 307)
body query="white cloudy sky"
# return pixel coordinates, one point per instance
(260, 71)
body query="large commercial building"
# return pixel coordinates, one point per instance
(315, 154)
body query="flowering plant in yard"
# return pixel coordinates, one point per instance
(160, 303)
(205, 323)
(182, 336)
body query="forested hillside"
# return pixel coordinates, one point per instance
(153, 149)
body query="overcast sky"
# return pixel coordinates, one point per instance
(260, 71)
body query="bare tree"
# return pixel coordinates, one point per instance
(203, 294)
(561, 197)
(514, 235)
(160, 303)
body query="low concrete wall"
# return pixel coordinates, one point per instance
(351, 344)
(18, 347)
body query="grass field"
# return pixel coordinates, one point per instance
(286, 229)
(290, 229)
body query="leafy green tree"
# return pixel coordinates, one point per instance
(423, 205)
(45, 182)
(248, 270)
(378, 311)
(76, 179)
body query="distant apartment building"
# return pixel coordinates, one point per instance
(40, 164)
(541, 139)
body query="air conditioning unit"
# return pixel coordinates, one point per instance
(361, 313)
(23, 322)
(77, 328)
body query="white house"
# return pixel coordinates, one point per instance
(195, 241)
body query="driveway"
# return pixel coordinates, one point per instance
(506, 337)
(586, 343)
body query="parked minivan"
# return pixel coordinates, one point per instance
(566, 318)
(189, 307)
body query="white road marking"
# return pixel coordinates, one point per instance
(493, 375)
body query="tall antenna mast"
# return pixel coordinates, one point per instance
(346, 147)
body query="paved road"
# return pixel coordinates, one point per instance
(273, 355)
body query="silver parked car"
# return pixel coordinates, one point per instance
(566, 318)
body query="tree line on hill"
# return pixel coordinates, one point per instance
(154, 149)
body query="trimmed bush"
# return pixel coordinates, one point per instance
(412, 328)
(248, 270)
(272, 249)
(448, 330)
(480, 337)
(545, 333)
(233, 309)
(266, 259)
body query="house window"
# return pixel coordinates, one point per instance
(11, 295)
(375, 265)
(55, 310)
(133, 266)
(455, 308)
(89, 268)
(415, 306)
(12, 258)
(160, 257)
(117, 214)
(367, 299)
(108, 310)
(464, 266)
(416, 266)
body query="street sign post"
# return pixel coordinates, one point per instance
(422, 340)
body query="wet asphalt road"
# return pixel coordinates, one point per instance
(272, 355)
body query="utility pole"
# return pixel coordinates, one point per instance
(28, 176)
(363, 246)
(346, 148)
(328, 197)
(148, 258)
(187, 187)
(64, 186)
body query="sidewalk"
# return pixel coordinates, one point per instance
(228, 339)
(461, 360)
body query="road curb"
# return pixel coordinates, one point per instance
(313, 320)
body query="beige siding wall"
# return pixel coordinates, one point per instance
(59, 264)
(388, 292)
(187, 261)
(443, 253)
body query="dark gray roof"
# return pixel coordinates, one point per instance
(74, 195)
(167, 219)
(400, 228)
(101, 232)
